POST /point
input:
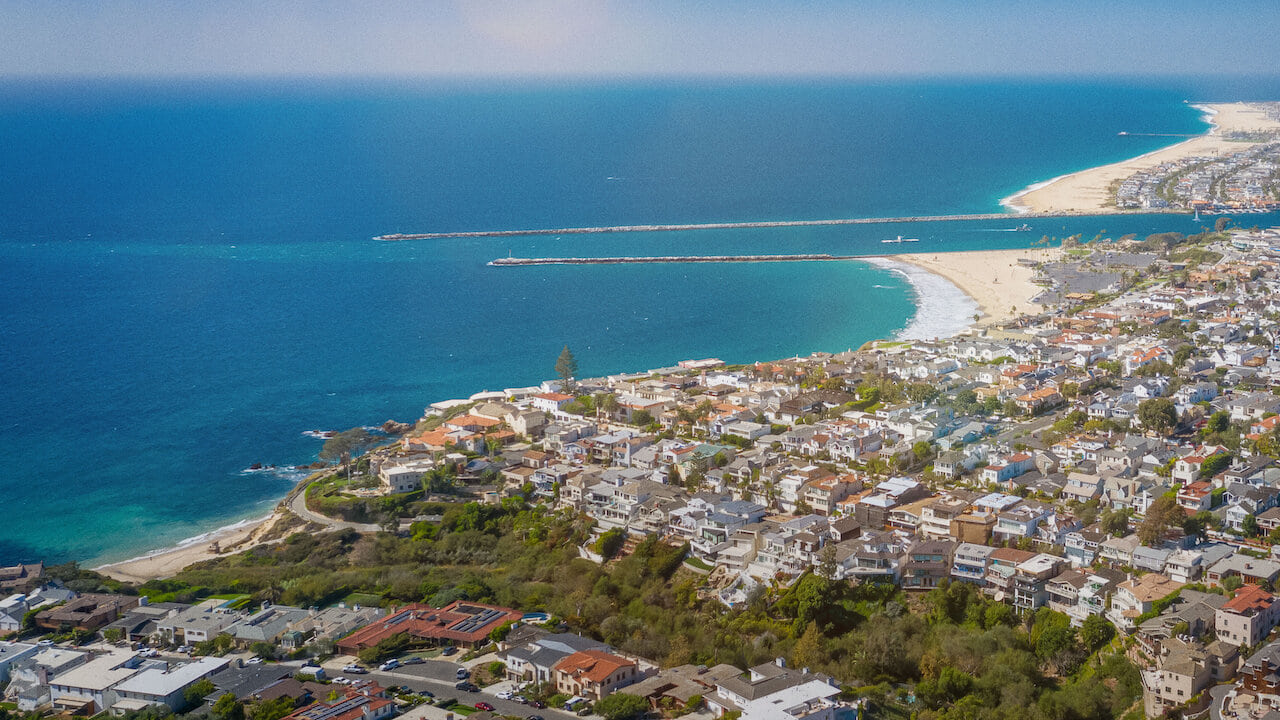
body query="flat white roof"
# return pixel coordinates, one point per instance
(97, 674)
(162, 683)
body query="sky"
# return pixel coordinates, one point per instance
(603, 38)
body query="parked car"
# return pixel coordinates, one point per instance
(534, 717)
(506, 695)
(483, 706)
(426, 694)
(391, 664)
(449, 651)
(537, 704)
(415, 660)
(468, 687)
(463, 673)
(355, 670)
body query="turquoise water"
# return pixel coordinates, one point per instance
(191, 283)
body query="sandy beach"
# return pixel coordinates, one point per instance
(993, 278)
(167, 562)
(1087, 190)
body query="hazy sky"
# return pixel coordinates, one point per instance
(444, 38)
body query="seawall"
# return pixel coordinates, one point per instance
(1019, 217)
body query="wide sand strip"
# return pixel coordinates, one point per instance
(1087, 190)
(1001, 286)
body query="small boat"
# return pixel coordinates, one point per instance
(901, 239)
(1022, 228)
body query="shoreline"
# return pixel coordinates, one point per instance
(948, 288)
(993, 280)
(1086, 190)
(232, 538)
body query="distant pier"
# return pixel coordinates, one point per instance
(819, 257)
(1016, 217)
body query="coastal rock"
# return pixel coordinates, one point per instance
(391, 427)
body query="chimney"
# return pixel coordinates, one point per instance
(780, 662)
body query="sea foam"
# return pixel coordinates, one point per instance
(942, 308)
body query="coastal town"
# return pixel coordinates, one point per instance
(1103, 471)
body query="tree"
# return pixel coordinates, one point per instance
(1214, 464)
(346, 443)
(622, 706)
(1096, 632)
(808, 650)
(1158, 415)
(227, 708)
(1163, 514)
(1115, 522)
(197, 692)
(264, 650)
(610, 542)
(1231, 583)
(1250, 526)
(566, 368)
(642, 418)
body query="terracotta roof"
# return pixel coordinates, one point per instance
(594, 665)
(1249, 599)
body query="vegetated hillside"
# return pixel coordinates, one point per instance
(961, 654)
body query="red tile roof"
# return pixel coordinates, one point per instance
(594, 665)
(1249, 599)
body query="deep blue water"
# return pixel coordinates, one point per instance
(191, 284)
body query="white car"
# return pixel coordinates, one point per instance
(506, 695)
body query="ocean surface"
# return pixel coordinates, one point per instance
(191, 282)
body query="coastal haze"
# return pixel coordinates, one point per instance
(196, 283)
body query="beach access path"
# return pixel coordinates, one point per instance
(1088, 191)
(298, 505)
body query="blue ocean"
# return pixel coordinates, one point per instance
(191, 282)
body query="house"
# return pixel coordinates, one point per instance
(356, 703)
(1251, 570)
(87, 687)
(12, 652)
(1031, 578)
(594, 674)
(1022, 520)
(461, 623)
(969, 562)
(773, 691)
(403, 477)
(1081, 546)
(204, 621)
(1011, 467)
(535, 660)
(164, 686)
(1248, 617)
(1135, 597)
(29, 680)
(926, 564)
(87, 612)
(682, 683)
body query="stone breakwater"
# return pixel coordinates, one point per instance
(744, 225)
(513, 261)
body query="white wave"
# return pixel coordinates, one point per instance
(203, 537)
(942, 308)
(320, 434)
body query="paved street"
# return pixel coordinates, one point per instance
(439, 677)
